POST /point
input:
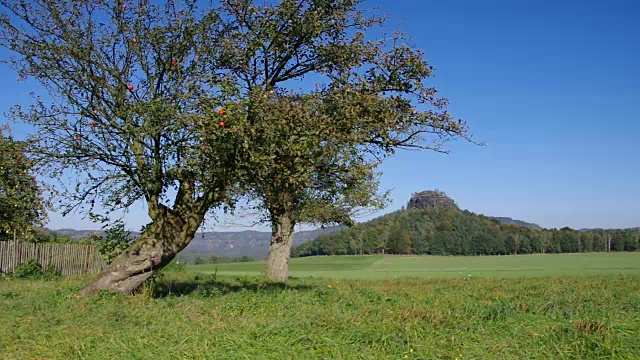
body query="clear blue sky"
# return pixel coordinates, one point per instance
(551, 87)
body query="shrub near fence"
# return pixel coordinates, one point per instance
(69, 259)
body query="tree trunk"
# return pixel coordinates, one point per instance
(280, 248)
(155, 248)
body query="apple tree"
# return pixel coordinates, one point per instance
(313, 150)
(302, 172)
(127, 112)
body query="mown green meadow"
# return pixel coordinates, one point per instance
(377, 267)
(188, 315)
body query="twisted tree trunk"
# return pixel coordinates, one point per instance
(282, 232)
(167, 235)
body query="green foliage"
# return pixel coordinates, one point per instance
(46, 236)
(124, 145)
(29, 269)
(244, 317)
(21, 202)
(115, 240)
(32, 270)
(153, 284)
(457, 232)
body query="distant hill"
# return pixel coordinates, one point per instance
(429, 230)
(79, 234)
(508, 220)
(243, 243)
(433, 224)
(233, 244)
(436, 199)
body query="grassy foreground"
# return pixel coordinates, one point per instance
(378, 267)
(201, 317)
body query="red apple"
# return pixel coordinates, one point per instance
(92, 123)
(124, 6)
(95, 112)
(221, 111)
(221, 123)
(130, 87)
(174, 64)
(78, 137)
(134, 40)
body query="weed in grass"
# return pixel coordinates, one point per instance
(32, 269)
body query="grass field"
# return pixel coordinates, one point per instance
(376, 267)
(207, 316)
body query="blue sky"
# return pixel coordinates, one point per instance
(552, 88)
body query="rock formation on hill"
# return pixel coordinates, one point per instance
(430, 199)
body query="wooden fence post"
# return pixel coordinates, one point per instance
(85, 268)
(15, 254)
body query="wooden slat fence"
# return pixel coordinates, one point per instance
(69, 259)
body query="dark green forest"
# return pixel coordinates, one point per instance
(459, 232)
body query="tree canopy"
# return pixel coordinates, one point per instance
(21, 202)
(132, 114)
(312, 151)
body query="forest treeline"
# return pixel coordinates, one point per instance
(460, 232)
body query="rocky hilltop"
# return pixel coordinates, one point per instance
(430, 199)
(436, 199)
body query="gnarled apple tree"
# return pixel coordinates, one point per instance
(128, 109)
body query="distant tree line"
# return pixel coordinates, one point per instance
(458, 232)
(44, 235)
(221, 260)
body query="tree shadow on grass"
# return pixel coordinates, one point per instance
(210, 286)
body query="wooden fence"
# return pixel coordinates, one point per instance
(69, 259)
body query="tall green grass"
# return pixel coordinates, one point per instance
(196, 316)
